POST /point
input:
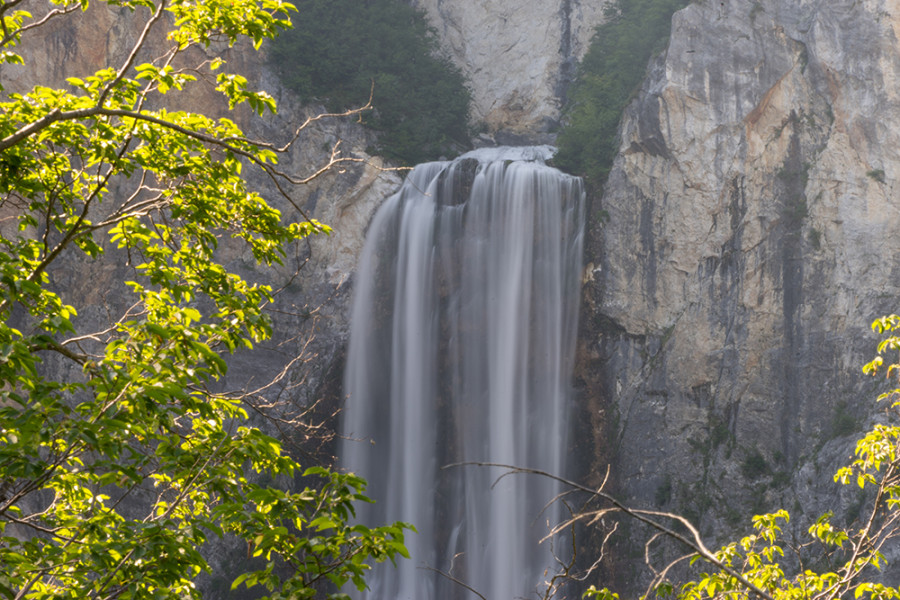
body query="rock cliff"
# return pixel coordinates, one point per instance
(519, 57)
(518, 63)
(745, 240)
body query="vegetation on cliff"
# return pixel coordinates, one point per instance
(120, 455)
(608, 77)
(341, 51)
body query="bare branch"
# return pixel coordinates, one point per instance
(661, 576)
(454, 580)
(138, 45)
(695, 541)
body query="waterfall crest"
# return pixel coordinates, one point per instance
(461, 350)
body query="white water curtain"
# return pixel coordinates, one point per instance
(461, 350)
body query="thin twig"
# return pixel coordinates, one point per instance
(644, 516)
(454, 580)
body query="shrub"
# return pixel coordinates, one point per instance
(340, 51)
(609, 74)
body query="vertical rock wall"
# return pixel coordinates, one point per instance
(519, 57)
(745, 240)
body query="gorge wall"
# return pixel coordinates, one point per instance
(740, 249)
(519, 60)
(742, 245)
(744, 242)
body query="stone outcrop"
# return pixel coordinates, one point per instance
(519, 57)
(745, 240)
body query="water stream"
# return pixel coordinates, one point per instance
(461, 350)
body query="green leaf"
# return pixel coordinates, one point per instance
(122, 457)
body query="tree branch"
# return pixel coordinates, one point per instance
(138, 45)
(8, 36)
(644, 516)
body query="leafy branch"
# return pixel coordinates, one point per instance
(119, 460)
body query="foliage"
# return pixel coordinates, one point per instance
(117, 461)
(836, 561)
(343, 50)
(609, 74)
(876, 174)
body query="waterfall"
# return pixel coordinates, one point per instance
(461, 350)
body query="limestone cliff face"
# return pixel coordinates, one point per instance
(744, 242)
(519, 57)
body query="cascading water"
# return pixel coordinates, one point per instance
(461, 350)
